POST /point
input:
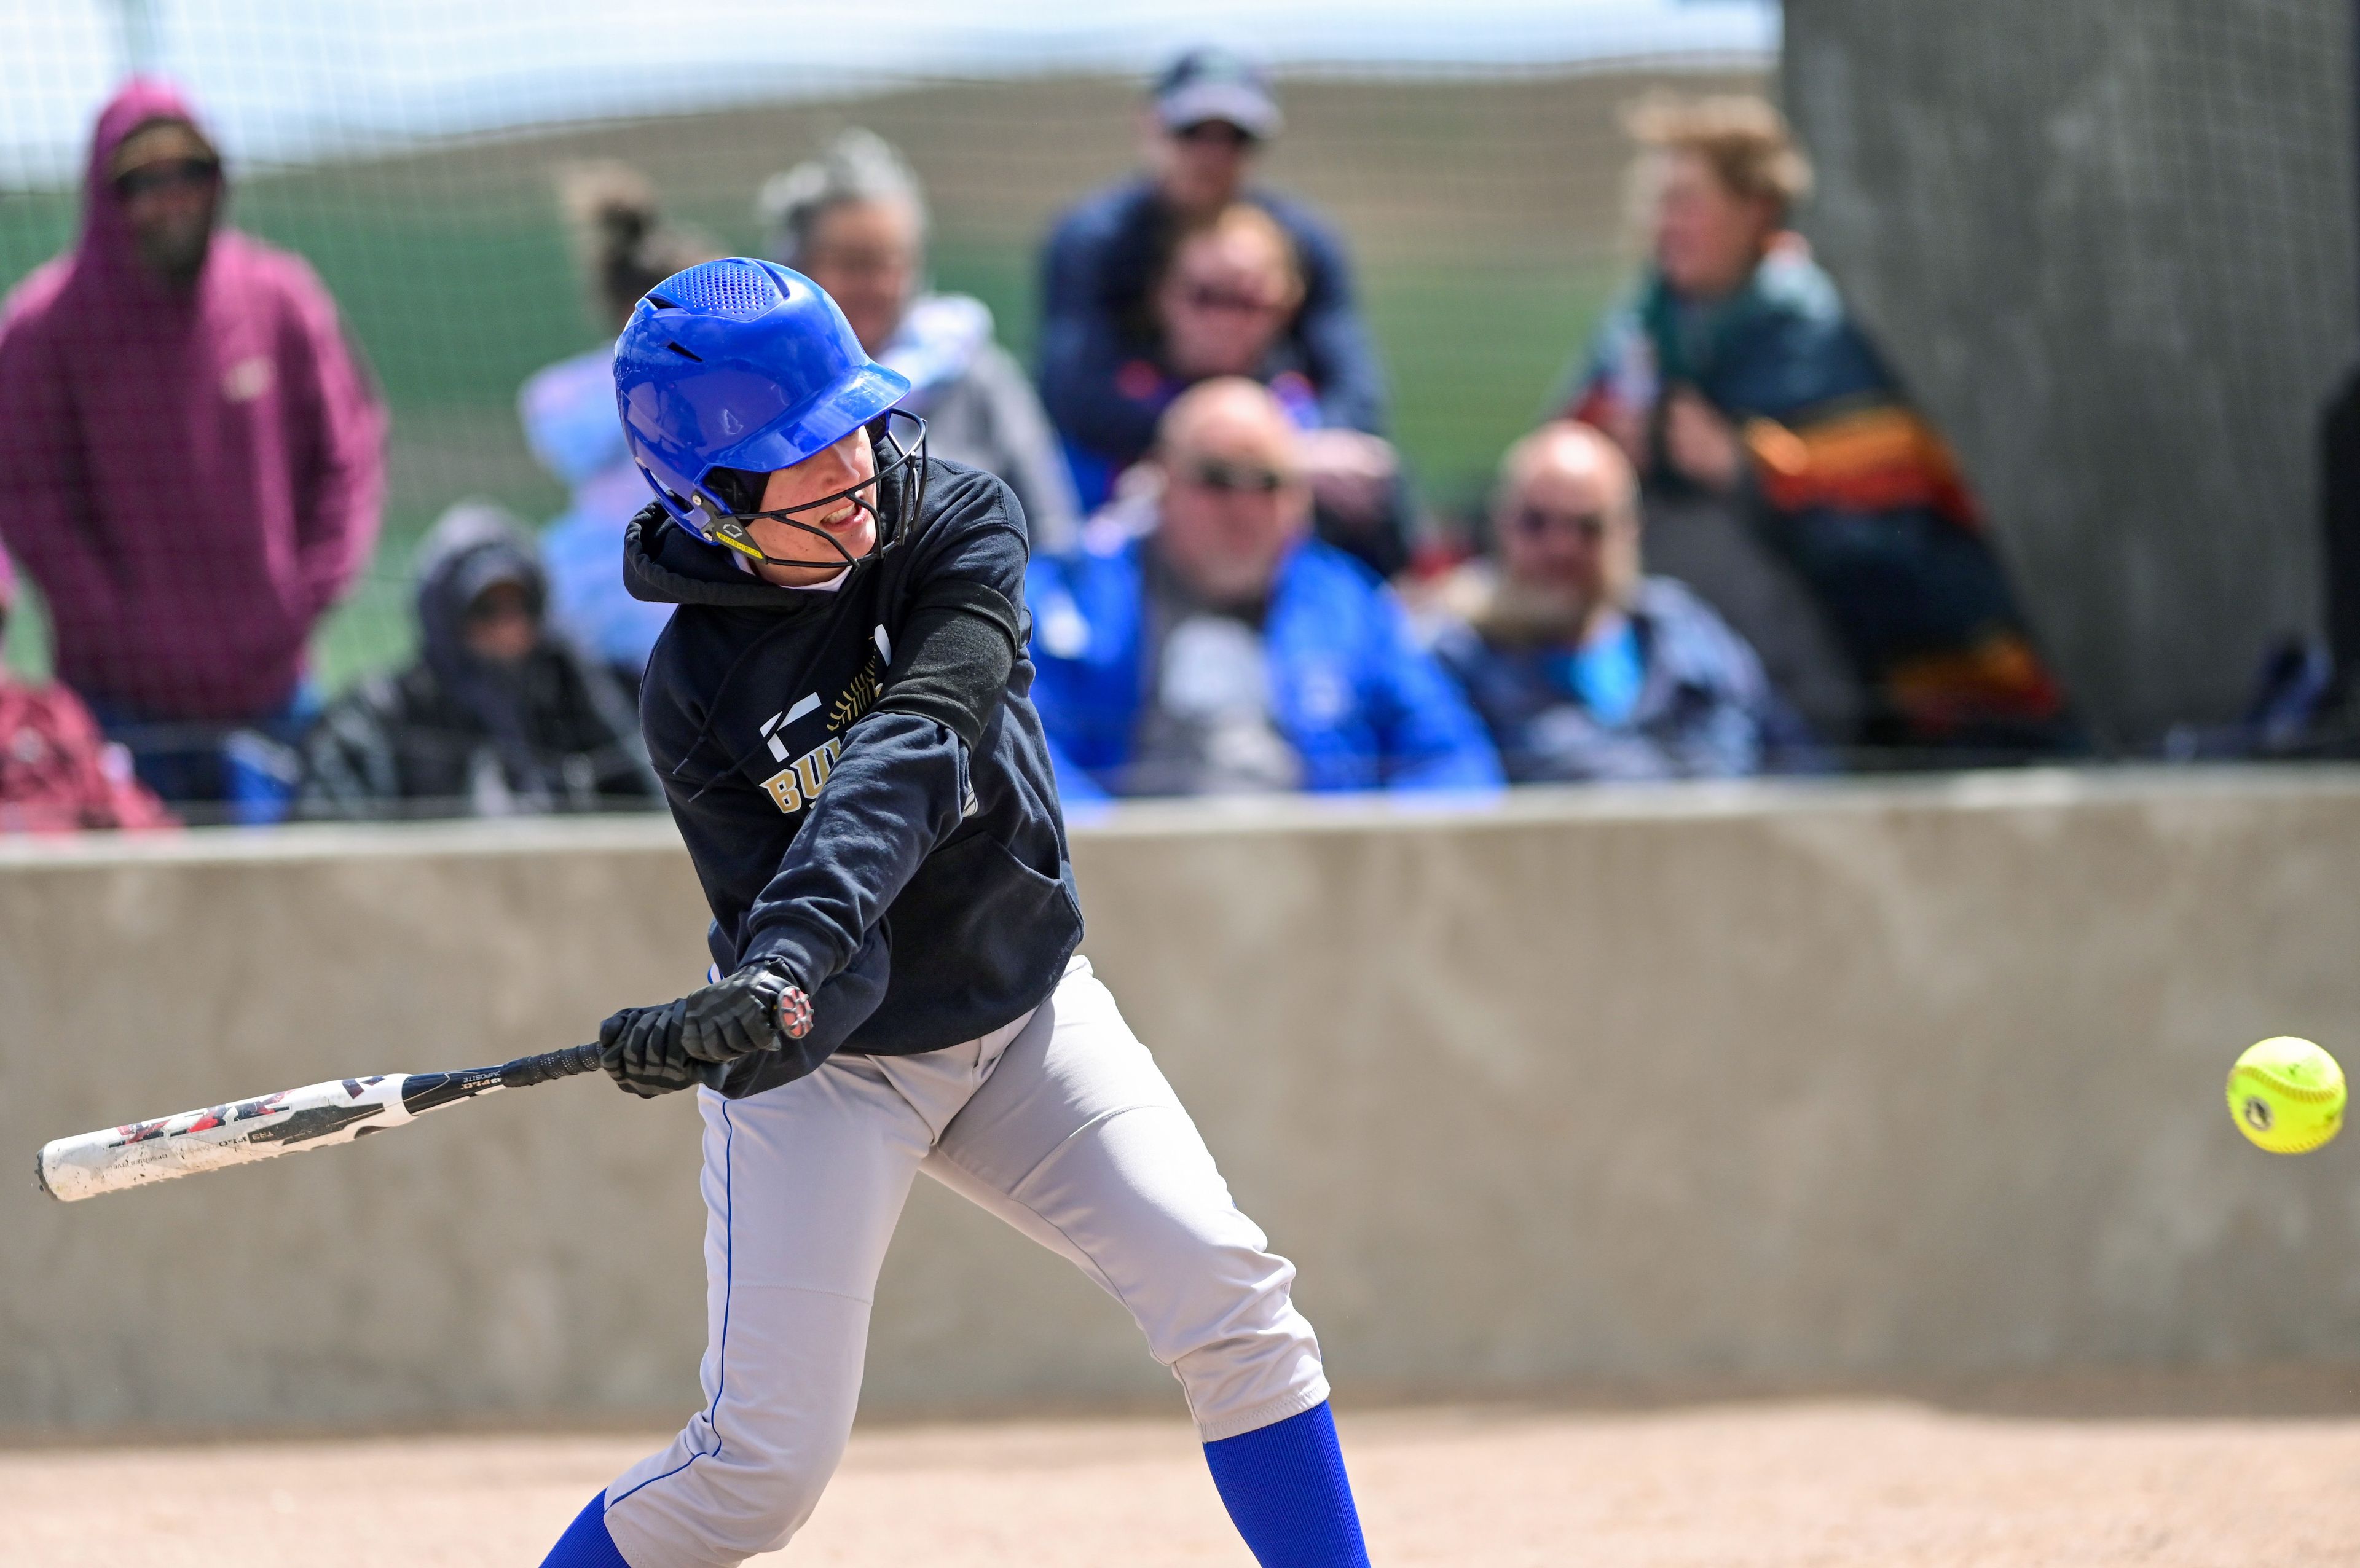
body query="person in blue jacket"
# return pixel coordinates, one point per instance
(1210, 111)
(1762, 418)
(1203, 643)
(1585, 666)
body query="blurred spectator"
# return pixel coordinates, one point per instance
(1584, 668)
(2294, 709)
(624, 248)
(1210, 111)
(1745, 392)
(2338, 494)
(1200, 642)
(191, 460)
(854, 221)
(1225, 302)
(500, 716)
(2307, 701)
(58, 773)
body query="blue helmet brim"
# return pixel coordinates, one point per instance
(869, 392)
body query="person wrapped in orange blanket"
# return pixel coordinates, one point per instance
(1735, 377)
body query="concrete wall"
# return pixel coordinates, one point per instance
(1842, 1082)
(2111, 246)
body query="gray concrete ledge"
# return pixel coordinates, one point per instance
(1835, 1081)
(1999, 789)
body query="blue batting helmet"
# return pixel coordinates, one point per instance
(742, 365)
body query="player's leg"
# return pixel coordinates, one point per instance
(802, 1185)
(1076, 1140)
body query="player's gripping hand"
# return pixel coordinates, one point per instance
(639, 1048)
(654, 1050)
(757, 1009)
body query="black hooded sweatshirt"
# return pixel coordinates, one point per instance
(860, 777)
(454, 734)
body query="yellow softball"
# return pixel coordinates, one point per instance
(2287, 1095)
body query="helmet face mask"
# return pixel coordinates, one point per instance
(717, 521)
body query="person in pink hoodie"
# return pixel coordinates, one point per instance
(192, 464)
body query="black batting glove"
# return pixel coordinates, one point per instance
(640, 1050)
(655, 1051)
(757, 1009)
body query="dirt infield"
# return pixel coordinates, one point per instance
(1886, 1483)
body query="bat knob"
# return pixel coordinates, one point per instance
(794, 1013)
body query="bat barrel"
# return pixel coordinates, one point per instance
(111, 1159)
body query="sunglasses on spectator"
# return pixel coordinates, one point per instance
(500, 600)
(1207, 133)
(1234, 478)
(1210, 297)
(178, 173)
(863, 261)
(1535, 521)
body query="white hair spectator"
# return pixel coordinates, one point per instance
(858, 165)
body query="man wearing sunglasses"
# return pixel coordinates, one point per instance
(1210, 114)
(1583, 667)
(192, 460)
(1202, 642)
(838, 710)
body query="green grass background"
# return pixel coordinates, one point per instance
(1484, 214)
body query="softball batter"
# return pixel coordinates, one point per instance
(838, 710)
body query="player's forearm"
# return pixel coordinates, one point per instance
(896, 792)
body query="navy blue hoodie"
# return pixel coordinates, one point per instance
(860, 777)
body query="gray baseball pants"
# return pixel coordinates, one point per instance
(1061, 1124)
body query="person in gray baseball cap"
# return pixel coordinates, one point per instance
(1208, 114)
(1206, 85)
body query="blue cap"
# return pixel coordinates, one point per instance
(1209, 84)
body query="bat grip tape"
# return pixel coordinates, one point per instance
(527, 1071)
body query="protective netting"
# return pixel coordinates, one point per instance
(2112, 247)
(453, 175)
(1484, 206)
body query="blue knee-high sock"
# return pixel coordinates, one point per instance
(586, 1543)
(1288, 1495)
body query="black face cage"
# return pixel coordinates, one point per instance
(906, 443)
